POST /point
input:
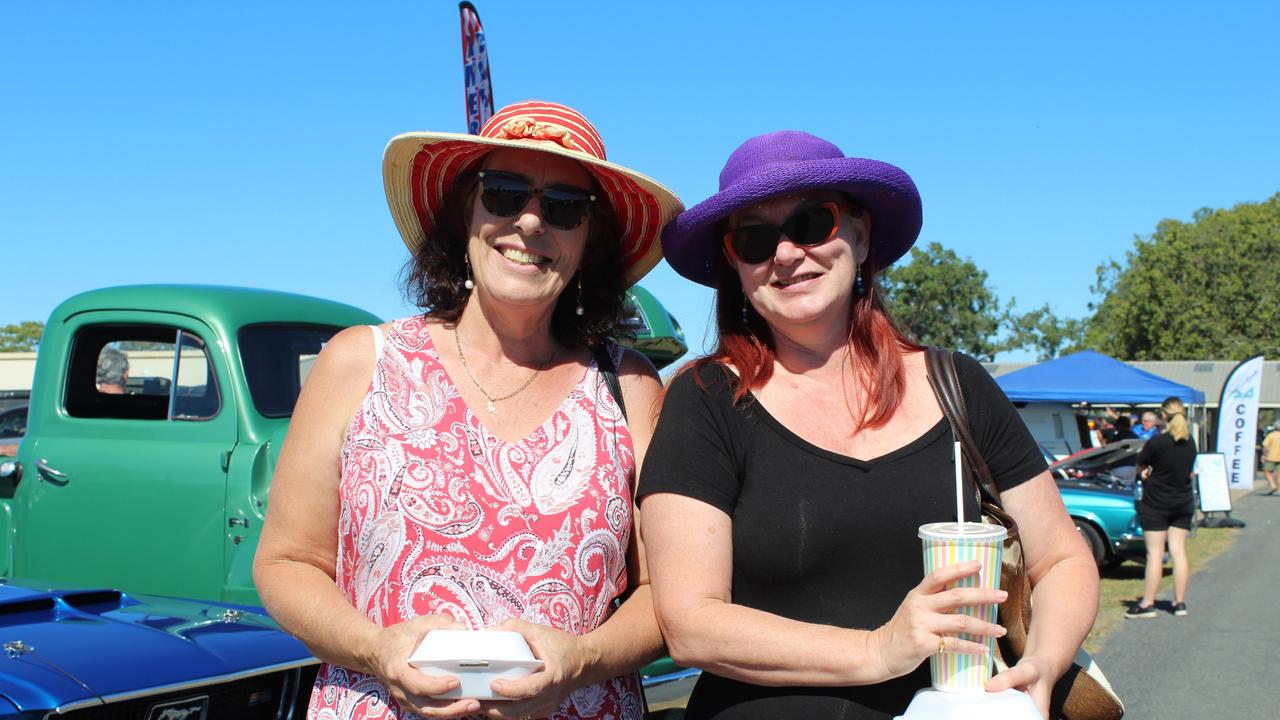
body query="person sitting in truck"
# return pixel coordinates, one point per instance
(113, 371)
(474, 466)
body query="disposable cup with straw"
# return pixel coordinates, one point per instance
(959, 679)
(947, 543)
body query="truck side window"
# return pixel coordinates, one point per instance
(127, 372)
(196, 397)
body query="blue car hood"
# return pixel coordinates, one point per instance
(63, 646)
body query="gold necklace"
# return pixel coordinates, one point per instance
(492, 402)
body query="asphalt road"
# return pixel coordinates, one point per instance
(1220, 661)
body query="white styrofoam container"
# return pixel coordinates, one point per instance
(939, 705)
(476, 658)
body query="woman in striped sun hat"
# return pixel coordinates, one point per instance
(473, 466)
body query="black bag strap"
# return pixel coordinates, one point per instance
(1077, 694)
(940, 367)
(604, 363)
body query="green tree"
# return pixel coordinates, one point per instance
(1045, 333)
(940, 299)
(1205, 289)
(23, 337)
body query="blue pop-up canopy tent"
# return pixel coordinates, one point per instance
(1090, 377)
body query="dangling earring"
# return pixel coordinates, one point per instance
(467, 283)
(745, 304)
(579, 309)
(857, 282)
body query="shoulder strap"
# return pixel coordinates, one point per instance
(940, 367)
(604, 364)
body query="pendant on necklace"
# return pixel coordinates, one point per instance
(493, 409)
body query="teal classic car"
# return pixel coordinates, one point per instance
(653, 331)
(153, 426)
(1100, 504)
(155, 418)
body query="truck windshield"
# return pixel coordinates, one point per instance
(277, 358)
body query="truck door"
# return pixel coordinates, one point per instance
(131, 479)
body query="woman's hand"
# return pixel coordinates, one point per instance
(566, 659)
(410, 686)
(1032, 675)
(927, 616)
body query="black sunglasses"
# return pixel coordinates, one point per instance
(505, 194)
(808, 227)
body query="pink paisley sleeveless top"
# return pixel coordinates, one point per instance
(438, 515)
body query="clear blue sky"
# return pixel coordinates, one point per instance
(240, 142)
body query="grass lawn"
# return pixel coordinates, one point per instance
(1124, 583)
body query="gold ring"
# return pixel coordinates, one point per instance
(942, 644)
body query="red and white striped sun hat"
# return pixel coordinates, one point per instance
(418, 168)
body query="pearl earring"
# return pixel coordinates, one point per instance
(579, 309)
(857, 282)
(468, 284)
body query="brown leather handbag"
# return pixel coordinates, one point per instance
(1082, 693)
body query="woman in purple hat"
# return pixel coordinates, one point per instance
(791, 468)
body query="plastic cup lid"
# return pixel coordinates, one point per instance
(963, 531)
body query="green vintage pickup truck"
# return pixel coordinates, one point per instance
(156, 416)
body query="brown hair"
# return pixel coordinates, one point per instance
(434, 275)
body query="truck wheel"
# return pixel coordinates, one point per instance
(1097, 544)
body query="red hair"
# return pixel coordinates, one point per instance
(876, 346)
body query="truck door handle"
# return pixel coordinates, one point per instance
(42, 465)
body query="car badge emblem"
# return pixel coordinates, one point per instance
(192, 708)
(16, 649)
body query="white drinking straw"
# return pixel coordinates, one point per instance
(959, 489)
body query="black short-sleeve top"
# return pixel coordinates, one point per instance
(1168, 487)
(818, 536)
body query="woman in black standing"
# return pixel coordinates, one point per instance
(792, 467)
(1166, 465)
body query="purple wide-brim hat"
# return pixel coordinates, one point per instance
(788, 162)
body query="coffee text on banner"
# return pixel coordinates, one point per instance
(1238, 421)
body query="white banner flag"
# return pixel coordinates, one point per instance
(1238, 421)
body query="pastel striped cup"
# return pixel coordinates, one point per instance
(948, 544)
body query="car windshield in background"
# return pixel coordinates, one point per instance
(277, 359)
